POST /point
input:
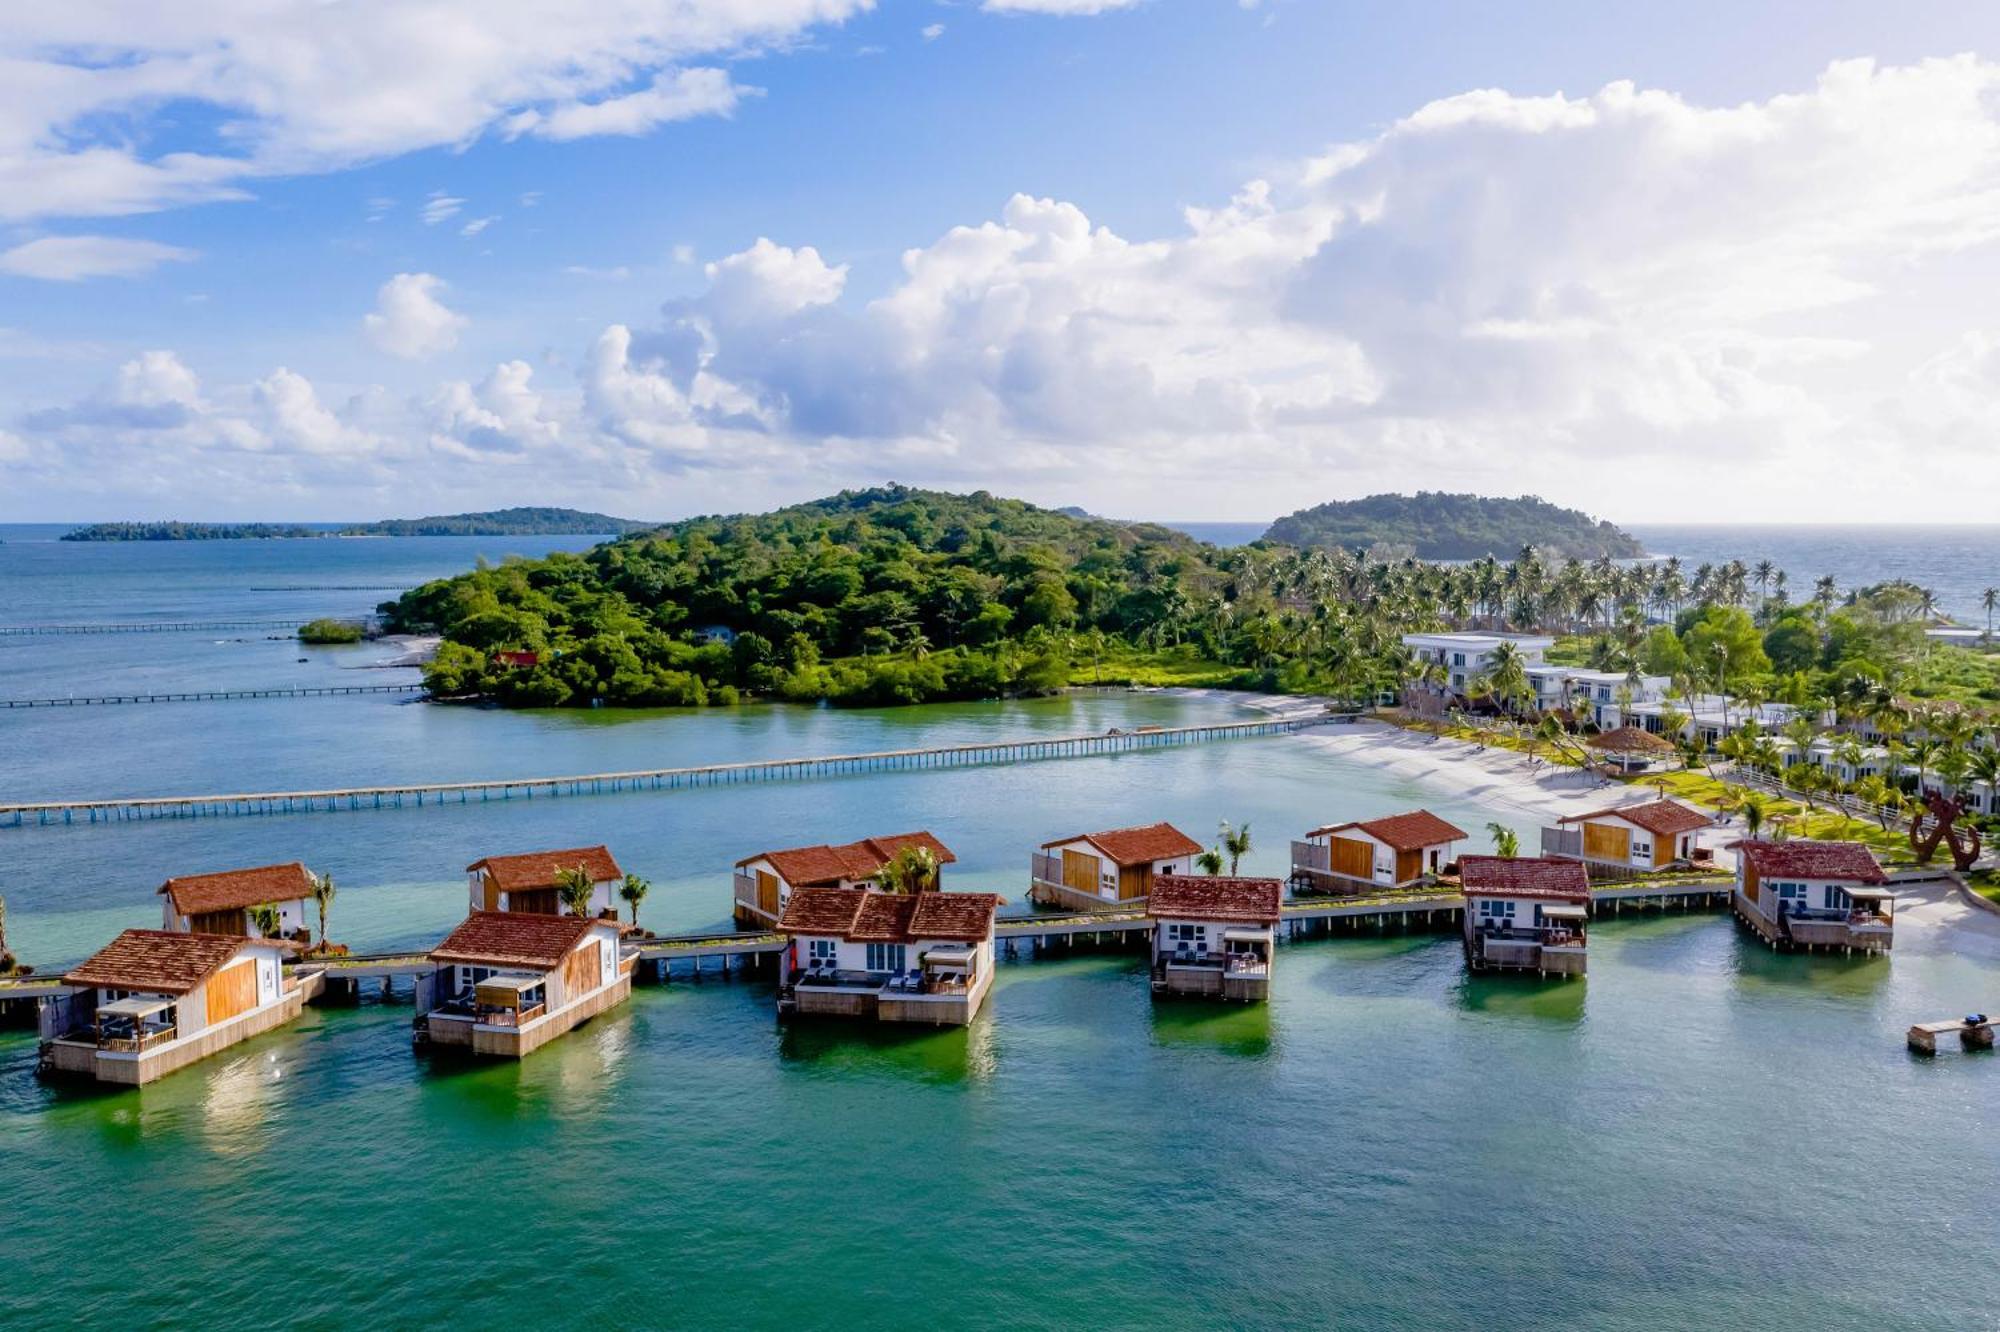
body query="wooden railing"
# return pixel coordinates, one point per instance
(1312, 856)
(511, 1017)
(139, 1043)
(1049, 869)
(746, 889)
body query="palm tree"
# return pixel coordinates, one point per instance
(1753, 809)
(1989, 599)
(1506, 842)
(632, 892)
(574, 887)
(1235, 843)
(6, 958)
(264, 919)
(914, 869)
(322, 896)
(1209, 861)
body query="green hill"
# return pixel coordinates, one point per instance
(502, 522)
(179, 531)
(1433, 525)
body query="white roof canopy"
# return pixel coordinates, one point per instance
(512, 984)
(954, 958)
(1564, 911)
(1864, 892)
(1245, 934)
(138, 1006)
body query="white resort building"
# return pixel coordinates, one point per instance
(1463, 658)
(1213, 935)
(898, 957)
(1392, 852)
(1812, 895)
(1105, 868)
(1646, 836)
(528, 882)
(765, 882)
(158, 1000)
(1525, 915)
(508, 982)
(221, 903)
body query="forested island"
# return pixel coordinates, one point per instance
(1433, 525)
(893, 595)
(495, 522)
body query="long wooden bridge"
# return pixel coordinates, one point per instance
(147, 627)
(214, 695)
(421, 794)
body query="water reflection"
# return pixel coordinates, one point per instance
(1242, 1030)
(931, 1054)
(1761, 968)
(239, 1098)
(1552, 1002)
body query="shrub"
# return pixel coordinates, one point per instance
(330, 631)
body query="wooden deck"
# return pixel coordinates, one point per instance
(1923, 1037)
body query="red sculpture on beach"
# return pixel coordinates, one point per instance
(1941, 825)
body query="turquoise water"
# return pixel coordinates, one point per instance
(1701, 1134)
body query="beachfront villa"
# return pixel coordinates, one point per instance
(508, 982)
(154, 1001)
(766, 881)
(897, 957)
(1213, 935)
(1462, 659)
(1806, 894)
(1706, 718)
(1600, 698)
(221, 903)
(1646, 836)
(1392, 852)
(1525, 915)
(528, 882)
(1105, 868)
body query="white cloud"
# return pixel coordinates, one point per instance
(675, 94)
(683, 253)
(410, 321)
(529, 198)
(297, 421)
(12, 447)
(302, 86)
(440, 207)
(503, 414)
(1061, 8)
(73, 258)
(933, 31)
(477, 225)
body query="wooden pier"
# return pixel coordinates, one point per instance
(420, 795)
(214, 695)
(1974, 1033)
(150, 627)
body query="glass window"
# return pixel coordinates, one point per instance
(821, 952)
(886, 957)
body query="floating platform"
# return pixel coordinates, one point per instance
(1974, 1033)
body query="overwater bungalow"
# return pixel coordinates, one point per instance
(221, 903)
(528, 882)
(508, 982)
(897, 957)
(154, 1001)
(1213, 935)
(1392, 852)
(1649, 835)
(1117, 866)
(1525, 915)
(1806, 894)
(766, 881)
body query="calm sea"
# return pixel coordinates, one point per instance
(1699, 1135)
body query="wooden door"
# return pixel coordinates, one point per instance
(1353, 857)
(581, 970)
(1134, 881)
(1601, 841)
(767, 892)
(231, 991)
(492, 901)
(1080, 871)
(220, 922)
(1409, 864)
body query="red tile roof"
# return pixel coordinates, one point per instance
(230, 890)
(537, 869)
(1849, 862)
(866, 916)
(1140, 845)
(1405, 832)
(812, 866)
(1663, 818)
(513, 939)
(1497, 876)
(1217, 897)
(158, 961)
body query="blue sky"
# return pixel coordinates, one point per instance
(1476, 297)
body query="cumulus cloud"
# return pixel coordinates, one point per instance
(410, 321)
(301, 86)
(73, 258)
(502, 414)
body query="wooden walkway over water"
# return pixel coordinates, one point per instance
(213, 696)
(421, 794)
(147, 627)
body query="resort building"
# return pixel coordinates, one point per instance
(1647, 836)
(1118, 866)
(1463, 659)
(1392, 852)
(1814, 895)
(221, 903)
(765, 882)
(898, 957)
(1600, 698)
(1706, 718)
(158, 1000)
(1525, 915)
(528, 882)
(508, 982)
(1213, 935)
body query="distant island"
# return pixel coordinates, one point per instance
(495, 522)
(1433, 525)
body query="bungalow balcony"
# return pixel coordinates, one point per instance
(945, 991)
(1046, 872)
(1870, 931)
(1553, 950)
(1241, 971)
